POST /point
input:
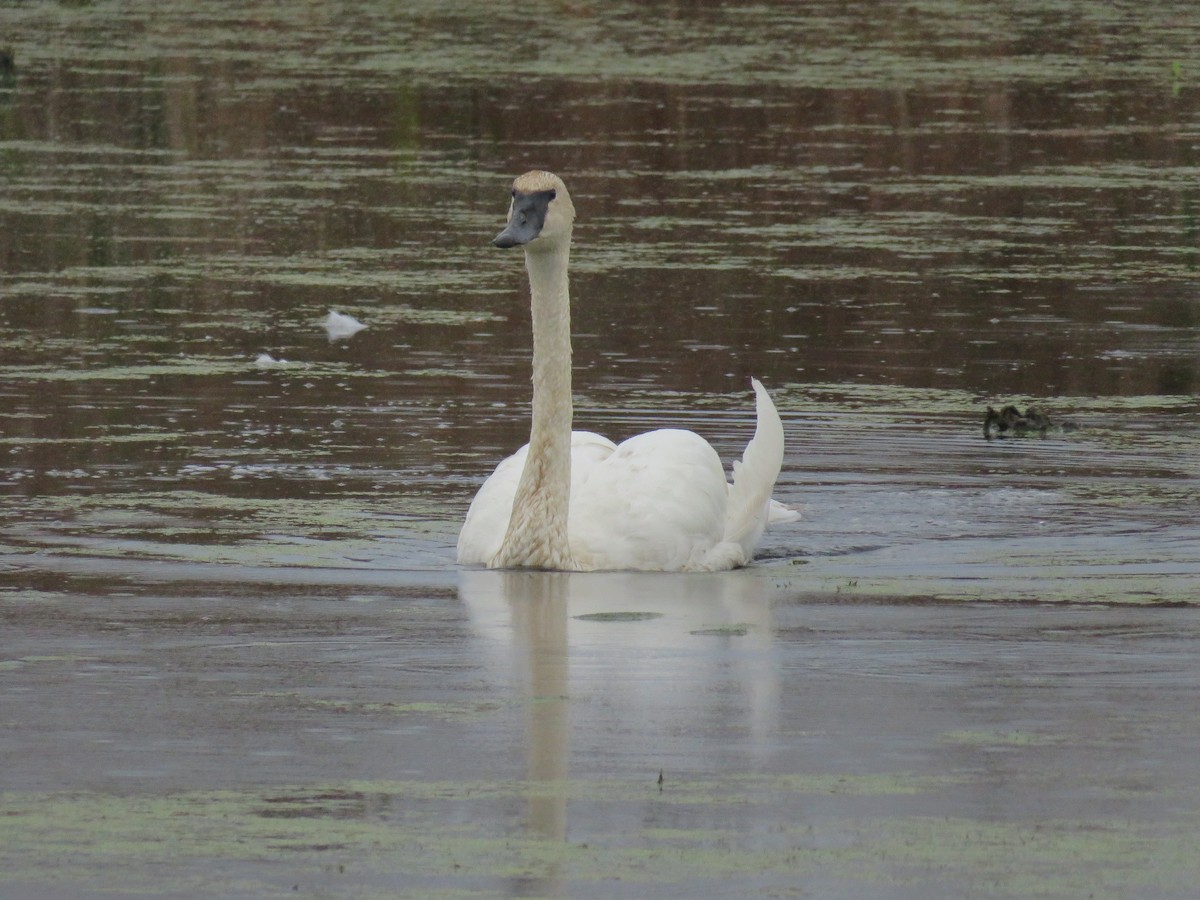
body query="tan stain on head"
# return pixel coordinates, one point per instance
(532, 182)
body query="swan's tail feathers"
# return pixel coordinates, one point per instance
(750, 504)
(777, 514)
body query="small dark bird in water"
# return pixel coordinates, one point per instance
(1011, 422)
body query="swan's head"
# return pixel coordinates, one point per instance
(540, 214)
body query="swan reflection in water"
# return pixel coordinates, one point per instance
(630, 673)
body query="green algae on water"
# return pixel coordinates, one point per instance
(619, 616)
(233, 842)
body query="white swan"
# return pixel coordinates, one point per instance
(575, 501)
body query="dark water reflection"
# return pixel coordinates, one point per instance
(893, 215)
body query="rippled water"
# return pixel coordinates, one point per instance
(892, 215)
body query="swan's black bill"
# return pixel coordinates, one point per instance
(526, 219)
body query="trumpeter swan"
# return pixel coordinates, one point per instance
(575, 501)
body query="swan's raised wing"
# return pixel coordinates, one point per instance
(750, 504)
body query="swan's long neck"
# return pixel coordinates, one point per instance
(537, 530)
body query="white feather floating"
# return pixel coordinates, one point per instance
(339, 326)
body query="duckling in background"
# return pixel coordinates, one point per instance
(1011, 422)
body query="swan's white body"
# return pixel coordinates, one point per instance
(575, 501)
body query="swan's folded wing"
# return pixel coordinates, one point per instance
(657, 503)
(588, 450)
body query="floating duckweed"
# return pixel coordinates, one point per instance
(739, 630)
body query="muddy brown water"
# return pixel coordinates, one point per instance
(236, 656)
